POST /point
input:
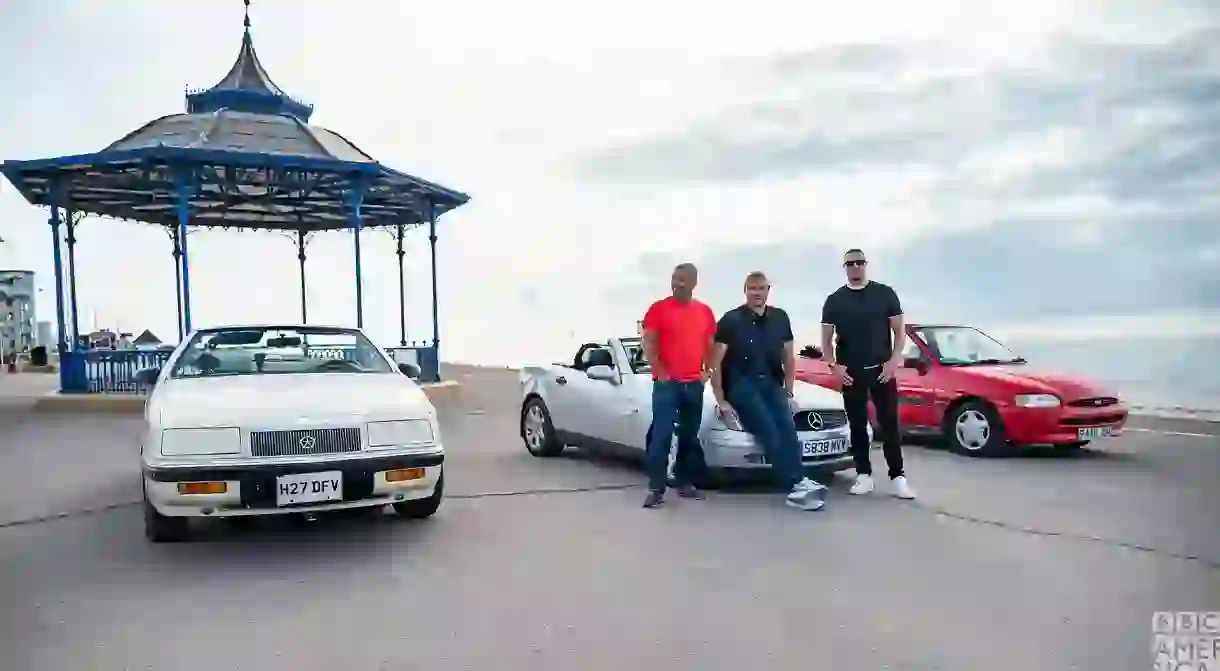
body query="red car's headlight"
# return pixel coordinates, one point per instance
(1037, 401)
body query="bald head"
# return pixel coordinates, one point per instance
(683, 281)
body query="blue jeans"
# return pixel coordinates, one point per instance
(762, 406)
(681, 404)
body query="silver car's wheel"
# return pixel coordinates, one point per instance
(537, 430)
(673, 461)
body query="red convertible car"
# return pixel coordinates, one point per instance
(960, 383)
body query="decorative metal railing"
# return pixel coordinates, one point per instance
(114, 371)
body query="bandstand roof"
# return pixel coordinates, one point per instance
(256, 163)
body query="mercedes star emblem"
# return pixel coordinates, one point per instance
(814, 420)
(307, 442)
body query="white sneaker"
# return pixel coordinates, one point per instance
(807, 495)
(902, 488)
(808, 485)
(863, 485)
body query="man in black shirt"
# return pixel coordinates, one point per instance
(753, 376)
(862, 340)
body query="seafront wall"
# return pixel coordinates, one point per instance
(14, 388)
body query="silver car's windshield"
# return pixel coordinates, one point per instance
(634, 348)
(276, 350)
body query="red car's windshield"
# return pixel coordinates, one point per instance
(965, 346)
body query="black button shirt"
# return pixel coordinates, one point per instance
(755, 344)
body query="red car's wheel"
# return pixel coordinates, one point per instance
(974, 428)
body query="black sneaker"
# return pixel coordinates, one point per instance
(654, 500)
(690, 492)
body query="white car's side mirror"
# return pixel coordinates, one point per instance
(605, 373)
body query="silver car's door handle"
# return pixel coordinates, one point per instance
(561, 380)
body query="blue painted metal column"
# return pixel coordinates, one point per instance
(301, 260)
(436, 319)
(71, 220)
(60, 345)
(355, 199)
(402, 291)
(177, 236)
(184, 184)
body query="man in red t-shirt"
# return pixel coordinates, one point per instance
(677, 342)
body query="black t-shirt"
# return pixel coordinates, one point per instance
(861, 318)
(755, 344)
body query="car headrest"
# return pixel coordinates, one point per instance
(600, 357)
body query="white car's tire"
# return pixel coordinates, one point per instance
(419, 509)
(537, 430)
(160, 528)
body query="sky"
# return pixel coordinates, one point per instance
(1036, 165)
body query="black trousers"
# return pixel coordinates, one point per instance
(885, 400)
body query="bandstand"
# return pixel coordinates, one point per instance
(243, 157)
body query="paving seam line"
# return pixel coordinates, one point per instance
(1006, 526)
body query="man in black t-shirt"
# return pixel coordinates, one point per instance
(862, 339)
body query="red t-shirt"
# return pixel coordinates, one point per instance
(684, 334)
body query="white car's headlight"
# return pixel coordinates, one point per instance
(400, 432)
(183, 442)
(1037, 401)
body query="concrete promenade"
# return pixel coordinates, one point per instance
(1034, 562)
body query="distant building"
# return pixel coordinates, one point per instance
(17, 292)
(103, 339)
(46, 335)
(147, 340)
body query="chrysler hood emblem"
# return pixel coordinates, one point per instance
(308, 442)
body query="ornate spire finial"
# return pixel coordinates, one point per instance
(247, 21)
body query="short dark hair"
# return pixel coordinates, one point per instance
(853, 250)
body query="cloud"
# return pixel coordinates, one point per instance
(856, 107)
(603, 143)
(1080, 181)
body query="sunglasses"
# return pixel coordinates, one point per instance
(859, 264)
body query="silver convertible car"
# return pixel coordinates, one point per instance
(602, 401)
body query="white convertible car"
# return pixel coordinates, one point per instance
(602, 401)
(264, 420)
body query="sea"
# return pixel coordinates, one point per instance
(1161, 374)
(1172, 373)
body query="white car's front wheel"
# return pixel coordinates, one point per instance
(420, 508)
(160, 528)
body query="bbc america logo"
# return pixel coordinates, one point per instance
(1186, 641)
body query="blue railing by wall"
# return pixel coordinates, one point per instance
(107, 371)
(114, 371)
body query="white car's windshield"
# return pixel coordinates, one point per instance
(275, 350)
(965, 346)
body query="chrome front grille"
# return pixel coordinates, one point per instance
(301, 442)
(819, 420)
(1099, 402)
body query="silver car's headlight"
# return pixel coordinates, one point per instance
(400, 433)
(184, 442)
(728, 420)
(1037, 401)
